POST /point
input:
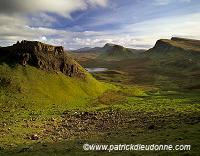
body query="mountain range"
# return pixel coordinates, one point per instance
(103, 49)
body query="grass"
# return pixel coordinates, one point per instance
(174, 116)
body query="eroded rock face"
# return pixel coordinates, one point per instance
(43, 56)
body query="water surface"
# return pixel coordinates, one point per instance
(96, 69)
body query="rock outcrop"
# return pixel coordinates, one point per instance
(42, 56)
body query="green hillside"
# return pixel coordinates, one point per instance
(32, 85)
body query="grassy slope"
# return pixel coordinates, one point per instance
(31, 85)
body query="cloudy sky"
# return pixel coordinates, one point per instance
(80, 23)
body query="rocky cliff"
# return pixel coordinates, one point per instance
(42, 56)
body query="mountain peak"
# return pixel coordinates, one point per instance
(117, 53)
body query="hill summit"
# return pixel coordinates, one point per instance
(42, 56)
(117, 53)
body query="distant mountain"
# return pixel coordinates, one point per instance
(83, 49)
(103, 49)
(117, 53)
(95, 49)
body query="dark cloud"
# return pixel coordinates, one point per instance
(12, 6)
(61, 7)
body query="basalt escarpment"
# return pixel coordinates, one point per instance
(42, 56)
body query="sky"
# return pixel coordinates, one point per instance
(90, 23)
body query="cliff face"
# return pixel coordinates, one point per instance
(42, 56)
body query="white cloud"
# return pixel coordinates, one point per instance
(166, 2)
(102, 3)
(11, 34)
(161, 2)
(13, 20)
(43, 38)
